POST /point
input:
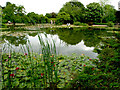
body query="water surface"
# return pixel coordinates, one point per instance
(67, 40)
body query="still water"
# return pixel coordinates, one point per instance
(67, 40)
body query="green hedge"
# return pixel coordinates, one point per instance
(101, 23)
(81, 24)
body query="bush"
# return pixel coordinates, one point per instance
(110, 24)
(79, 23)
(90, 23)
(58, 23)
(4, 26)
(101, 23)
(97, 80)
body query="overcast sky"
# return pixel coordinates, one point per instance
(48, 6)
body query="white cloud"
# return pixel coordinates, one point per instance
(48, 6)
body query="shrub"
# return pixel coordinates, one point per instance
(101, 23)
(79, 23)
(110, 24)
(4, 26)
(94, 81)
(90, 23)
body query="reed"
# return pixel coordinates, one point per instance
(27, 69)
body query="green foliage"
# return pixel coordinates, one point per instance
(44, 71)
(76, 23)
(110, 24)
(16, 14)
(75, 9)
(101, 23)
(109, 13)
(29, 69)
(62, 18)
(48, 15)
(79, 23)
(51, 15)
(13, 13)
(109, 59)
(4, 26)
(93, 12)
(94, 81)
(35, 18)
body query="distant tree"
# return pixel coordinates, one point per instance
(43, 19)
(13, 13)
(103, 3)
(62, 18)
(34, 18)
(75, 9)
(51, 15)
(48, 15)
(0, 16)
(93, 12)
(25, 19)
(109, 14)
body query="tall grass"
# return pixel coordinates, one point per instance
(49, 58)
(47, 70)
(39, 70)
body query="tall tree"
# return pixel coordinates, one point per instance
(0, 16)
(102, 4)
(75, 9)
(93, 12)
(13, 13)
(62, 18)
(109, 14)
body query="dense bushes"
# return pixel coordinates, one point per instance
(101, 23)
(4, 26)
(110, 24)
(106, 74)
(79, 23)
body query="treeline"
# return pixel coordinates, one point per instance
(71, 12)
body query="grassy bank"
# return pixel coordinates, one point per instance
(39, 26)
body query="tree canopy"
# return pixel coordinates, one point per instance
(13, 13)
(93, 12)
(63, 18)
(109, 13)
(75, 9)
(72, 11)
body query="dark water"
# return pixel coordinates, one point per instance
(67, 40)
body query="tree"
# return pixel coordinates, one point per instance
(36, 18)
(43, 19)
(102, 4)
(0, 16)
(109, 14)
(51, 15)
(108, 11)
(25, 19)
(63, 18)
(75, 9)
(93, 12)
(13, 13)
(33, 17)
(48, 15)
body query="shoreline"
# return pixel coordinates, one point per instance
(39, 26)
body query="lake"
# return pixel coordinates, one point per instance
(67, 40)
